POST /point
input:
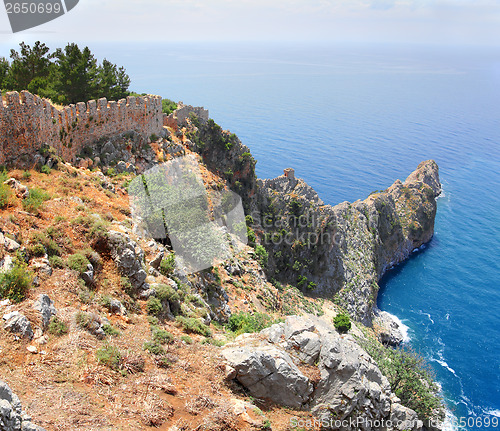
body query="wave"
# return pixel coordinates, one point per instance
(444, 364)
(493, 412)
(442, 194)
(422, 247)
(449, 421)
(426, 314)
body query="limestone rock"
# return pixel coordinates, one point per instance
(12, 417)
(18, 323)
(270, 373)
(428, 173)
(41, 265)
(350, 245)
(389, 331)
(405, 417)
(116, 307)
(88, 275)
(45, 306)
(350, 384)
(20, 190)
(128, 257)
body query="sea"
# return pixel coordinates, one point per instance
(352, 119)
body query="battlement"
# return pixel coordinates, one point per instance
(27, 122)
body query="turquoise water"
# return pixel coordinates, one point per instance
(351, 120)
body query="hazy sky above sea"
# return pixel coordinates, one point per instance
(440, 22)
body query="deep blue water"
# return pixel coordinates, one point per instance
(351, 120)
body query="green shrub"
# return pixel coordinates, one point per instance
(5, 194)
(165, 292)
(161, 336)
(240, 323)
(154, 307)
(45, 170)
(409, 376)
(109, 355)
(110, 330)
(153, 321)
(212, 341)
(187, 339)
(95, 228)
(312, 286)
(154, 348)
(194, 325)
(167, 265)
(46, 240)
(36, 250)
(342, 323)
(57, 327)
(14, 283)
(168, 106)
(57, 262)
(84, 320)
(251, 236)
(262, 255)
(77, 262)
(35, 200)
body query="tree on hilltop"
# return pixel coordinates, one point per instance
(28, 64)
(68, 75)
(112, 81)
(4, 69)
(77, 70)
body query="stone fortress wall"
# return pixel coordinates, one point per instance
(27, 122)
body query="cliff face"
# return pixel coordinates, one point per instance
(342, 251)
(338, 252)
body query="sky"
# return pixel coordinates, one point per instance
(439, 22)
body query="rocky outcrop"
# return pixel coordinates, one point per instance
(12, 417)
(128, 257)
(45, 306)
(268, 372)
(350, 388)
(18, 324)
(342, 251)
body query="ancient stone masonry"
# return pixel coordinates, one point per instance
(27, 122)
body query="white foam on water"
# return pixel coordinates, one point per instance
(426, 314)
(444, 364)
(442, 194)
(449, 420)
(493, 412)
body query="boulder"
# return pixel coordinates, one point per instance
(404, 418)
(389, 330)
(9, 244)
(268, 372)
(45, 306)
(20, 190)
(18, 323)
(128, 258)
(12, 417)
(350, 384)
(88, 276)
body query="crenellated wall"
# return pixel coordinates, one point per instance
(27, 122)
